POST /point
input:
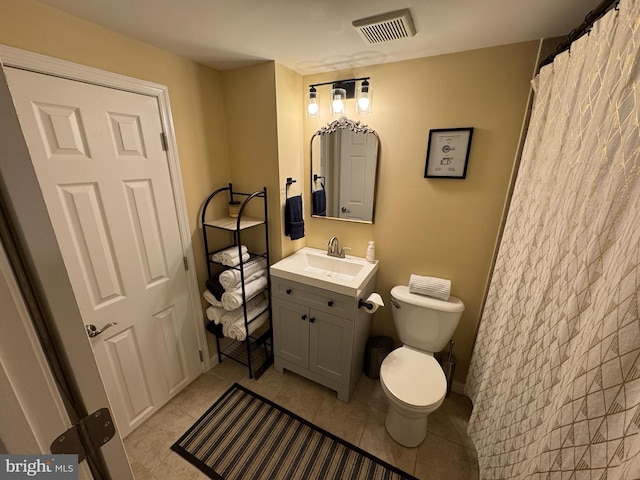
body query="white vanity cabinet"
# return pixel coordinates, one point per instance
(320, 334)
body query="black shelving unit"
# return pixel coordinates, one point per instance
(256, 352)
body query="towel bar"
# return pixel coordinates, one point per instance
(290, 181)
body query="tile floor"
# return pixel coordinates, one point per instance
(446, 453)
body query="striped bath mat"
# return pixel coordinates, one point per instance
(245, 436)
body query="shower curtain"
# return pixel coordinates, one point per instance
(555, 373)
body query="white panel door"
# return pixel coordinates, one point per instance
(358, 161)
(98, 156)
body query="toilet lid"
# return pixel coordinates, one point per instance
(413, 377)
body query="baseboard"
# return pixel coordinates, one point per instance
(213, 361)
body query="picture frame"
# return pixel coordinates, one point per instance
(448, 152)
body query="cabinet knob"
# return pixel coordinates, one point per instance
(312, 319)
(304, 317)
(330, 303)
(288, 291)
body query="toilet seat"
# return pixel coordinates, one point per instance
(414, 378)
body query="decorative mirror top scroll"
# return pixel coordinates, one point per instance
(344, 163)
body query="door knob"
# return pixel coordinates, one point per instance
(93, 331)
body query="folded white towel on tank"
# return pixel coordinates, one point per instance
(430, 286)
(230, 279)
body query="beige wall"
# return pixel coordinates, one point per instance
(246, 126)
(195, 92)
(253, 139)
(290, 145)
(263, 107)
(436, 227)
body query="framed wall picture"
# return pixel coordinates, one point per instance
(448, 152)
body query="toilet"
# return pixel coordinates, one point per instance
(411, 377)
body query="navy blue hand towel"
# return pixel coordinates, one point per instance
(320, 203)
(293, 221)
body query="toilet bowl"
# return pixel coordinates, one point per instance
(410, 376)
(415, 386)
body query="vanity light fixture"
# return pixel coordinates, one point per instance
(363, 104)
(338, 97)
(312, 103)
(341, 90)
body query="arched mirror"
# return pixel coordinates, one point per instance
(344, 163)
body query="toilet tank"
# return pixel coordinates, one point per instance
(423, 322)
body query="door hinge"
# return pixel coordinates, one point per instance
(186, 263)
(164, 141)
(95, 430)
(201, 356)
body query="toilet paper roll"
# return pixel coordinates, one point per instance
(373, 302)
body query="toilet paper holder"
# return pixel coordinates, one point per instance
(372, 303)
(367, 305)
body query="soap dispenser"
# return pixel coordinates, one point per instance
(371, 252)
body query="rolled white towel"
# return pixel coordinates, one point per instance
(430, 286)
(237, 329)
(230, 279)
(231, 253)
(232, 299)
(214, 314)
(230, 256)
(235, 261)
(247, 280)
(254, 307)
(211, 298)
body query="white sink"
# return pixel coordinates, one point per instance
(314, 267)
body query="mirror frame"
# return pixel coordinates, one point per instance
(357, 127)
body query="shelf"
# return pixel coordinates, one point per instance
(231, 224)
(255, 352)
(261, 353)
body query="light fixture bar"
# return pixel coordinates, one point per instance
(333, 82)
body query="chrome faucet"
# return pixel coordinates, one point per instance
(334, 249)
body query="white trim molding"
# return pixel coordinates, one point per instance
(13, 57)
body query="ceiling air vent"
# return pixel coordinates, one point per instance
(386, 26)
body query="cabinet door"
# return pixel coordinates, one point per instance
(291, 332)
(330, 340)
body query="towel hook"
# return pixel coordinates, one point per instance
(290, 181)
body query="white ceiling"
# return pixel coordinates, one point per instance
(312, 36)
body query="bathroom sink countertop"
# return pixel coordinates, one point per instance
(314, 267)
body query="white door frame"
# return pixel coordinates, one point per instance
(14, 57)
(34, 232)
(33, 410)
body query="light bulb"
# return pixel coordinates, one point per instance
(312, 103)
(312, 108)
(363, 103)
(337, 104)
